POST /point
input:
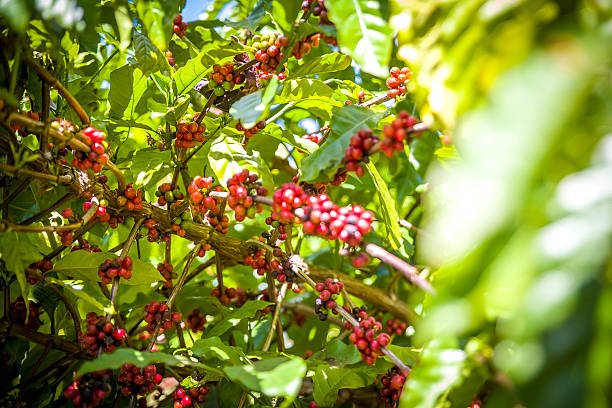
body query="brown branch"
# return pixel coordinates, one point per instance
(245, 66)
(26, 383)
(44, 339)
(52, 81)
(302, 308)
(209, 102)
(37, 217)
(410, 226)
(219, 263)
(376, 101)
(73, 313)
(44, 176)
(410, 272)
(10, 197)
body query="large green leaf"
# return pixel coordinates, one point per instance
(363, 33)
(247, 311)
(328, 380)
(436, 372)
(17, 251)
(332, 62)
(139, 358)
(196, 68)
(16, 13)
(147, 54)
(387, 207)
(274, 377)
(213, 347)
(127, 85)
(300, 89)
(86, 292)
(346, 121)
(285, 12)
(228, 157)
(157, 18)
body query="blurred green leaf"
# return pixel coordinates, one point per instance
(274, 377)
(387, 207)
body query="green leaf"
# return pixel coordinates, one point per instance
(157, 19)
(247, 311)
(84, 265)
(252, 21)
(327, 381)
(124, 24)
(127, 85)
(147, 54)
(346, 121)
(17, 251)
(332, 62)
(287, 136)
(16, 13)
(387, 207)
(86, 292)
(213, 347)
(339, 353)
(285, 12)
(228, 157)
(139, 358)
(249, 109)
(196, 68)
(280, 376)
(46, 297)
(438, 369)
(363, 33)
(301, 89)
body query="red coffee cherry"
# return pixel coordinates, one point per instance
(101, 334)
(85, 246)
(179, 26)
(367, 337)
(166, 270)
(115, 268)
(394, 326)
(360, 260)
(250, 132)
(195, 321)
(131, 199)
(230, 296)
(242, 187)
(358, 151)
(400, 130)
(305, 45)
(188, 132)
(90, 389)
(18, 313)
(96, 158)
(138, 381)
(392, 384)
(397, 81)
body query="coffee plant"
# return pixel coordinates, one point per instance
(305, 203)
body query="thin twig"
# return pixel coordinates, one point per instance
(219, 273)
(209, 103)
(24, 184)
(410, 272)
(52, 81)
(67, 197)
(276, 324)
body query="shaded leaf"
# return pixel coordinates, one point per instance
(387, 207)
(246, 311)
(274, 377)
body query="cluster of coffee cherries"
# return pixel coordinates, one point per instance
(101, 214)
(223, 78)
(397, 132)
(89, 389)
(170, 58)
(358, 150)
(198, 190)
(115, 220)
(85, 246)
(242, 187)
(203, 250)
(131, 199)
(166, 195)
(18, 313)
(397, 81)
(394, 326)
(250, 132)
(97, 157)
(305, 45)
(189, 132)
(327, 295)
(367, 337)
(158, 313)
(150, 230)
(360, 260)
(166, 270)
(236, 297)
(138, 381)
(392, 384)
(184, 398)
(180, 222)
(101, 334)
(180, 26)
(195, 321)
(268, 50)
(285, 201)
(44, 266)
(214, 217)
(118, 267)
(323, 218)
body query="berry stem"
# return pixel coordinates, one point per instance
(410, 272)
(209, 103)
(219, 264)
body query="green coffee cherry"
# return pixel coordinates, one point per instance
(169, 196)
(177, 221)
(227, 85)
(219, 91)
(186, 216)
